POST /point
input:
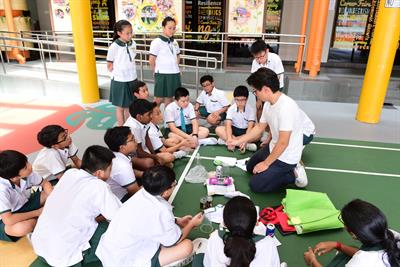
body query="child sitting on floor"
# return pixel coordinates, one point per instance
(53, 159)
(19, 207)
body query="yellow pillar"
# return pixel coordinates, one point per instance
(84, 50)
(380, 64)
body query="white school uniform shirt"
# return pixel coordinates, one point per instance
(122, 175)
(285, 115)
(13, 197)
(213, 102)
(124, 67)
(138, 130)
(67, 222)
(241, 119)
(266, 253)
(274, 63)
(172, 113)
(140, 227)
(166, 52)
(155, 136)
(52, 161)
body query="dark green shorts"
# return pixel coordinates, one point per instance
(166, 84)
(32, 204)
(155, 261)
(203, 113)
(189, 130)
(238, 131)
(121, 93)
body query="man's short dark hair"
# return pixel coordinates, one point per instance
(205, 78)
(48, 136)
(157, 179)
(258, 46)
(137, 85)
(241, 90)
(11, 162)
(96, 158)
(181, 92)
(140, 107)
(264, 77)
(116, 137)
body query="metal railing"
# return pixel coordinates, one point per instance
(49, 43)
(45, 46)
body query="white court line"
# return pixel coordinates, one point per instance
(338, 170)
(182, 178)
(356, 172)
(356, 146)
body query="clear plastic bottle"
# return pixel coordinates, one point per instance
(198, 159)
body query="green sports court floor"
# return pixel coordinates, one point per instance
(343, 169)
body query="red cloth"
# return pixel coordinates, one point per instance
(276, 216)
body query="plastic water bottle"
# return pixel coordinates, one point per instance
(198, 158)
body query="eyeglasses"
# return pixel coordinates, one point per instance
(340, 218)
(261, 56)
(130, 140)
(240, 99)
(64, 137)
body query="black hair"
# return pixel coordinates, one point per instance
(241, 90)
(206, 78)
(157, 179)
(264, 77)
(137, 85)
(11, 163)
(119, 27)
(369, 225)
(116, 137)
(48, 136)
(258, 46)
(96, 158)
(140, 107)
(166, 20)
(240, 217)
(181, 92)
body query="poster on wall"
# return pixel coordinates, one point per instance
(61, 16)
(273, 16)
(246, 16)
(147, 15)
(102, 16)
(355, 23)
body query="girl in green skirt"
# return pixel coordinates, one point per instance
(164, 61)
(121, 64)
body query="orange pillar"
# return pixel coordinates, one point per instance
(319, 37)
(300, 50)
(11, 28)
(311, 39)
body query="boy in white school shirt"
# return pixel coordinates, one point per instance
(58, 149)
(145, 232)
(182, 122)
(19, 207)
(67, 231)
(122, 180)
(240, 119)
(212, 103)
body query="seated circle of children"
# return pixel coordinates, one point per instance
(154, 237)
(240, 119)
(19, 207)
(122, 180)
(182, 122)
(67, 231)
(212, 103)
(240, 246)
(53, 159)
